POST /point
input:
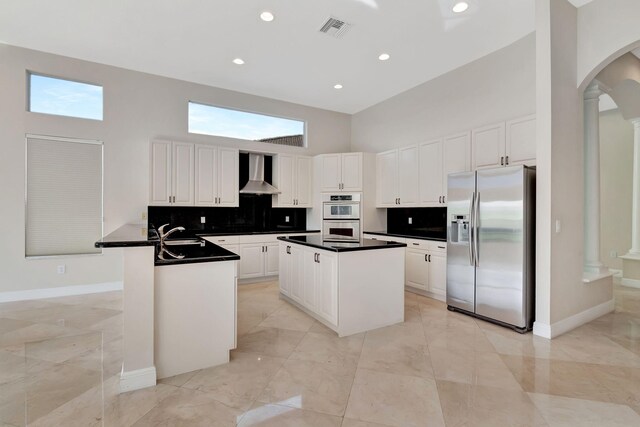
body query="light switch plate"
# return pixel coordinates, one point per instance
(62, 269)
(558, 226)
(203, 219)
(286, 219)
(410, 220)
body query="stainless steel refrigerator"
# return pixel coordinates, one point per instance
(491, 245)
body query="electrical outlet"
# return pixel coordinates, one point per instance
(62, 269)
(613, 254)
(203, 219)
(286, 219)
(558, 226)
(144, 215)
(410, 220)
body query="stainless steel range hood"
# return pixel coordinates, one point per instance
(257, 184)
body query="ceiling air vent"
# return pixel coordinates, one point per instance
(335, 27)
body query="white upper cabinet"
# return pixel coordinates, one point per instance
(488, 146)
(397, 178)
(408, 176)
(341, 172)
(351, 171)
(292, 176)
(160, 167)
(456, 152)
(184, 174)
(504, 144)
(387, 179)
(521, 141)
(172, 173)
(216, 176)
(431, 173)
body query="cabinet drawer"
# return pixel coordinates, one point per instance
(436, 246)
(223, 240)
(418, 244)
(259, 238)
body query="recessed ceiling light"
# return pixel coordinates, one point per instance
(338, 86)
(384, 56)
(267, 16)
(238, 61)
(460, 7)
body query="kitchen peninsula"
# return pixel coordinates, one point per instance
(171, 288)
(350, 287)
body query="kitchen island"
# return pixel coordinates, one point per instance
(350, 287)
(179, 304)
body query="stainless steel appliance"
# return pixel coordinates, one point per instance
(491, 245)
(341, 217)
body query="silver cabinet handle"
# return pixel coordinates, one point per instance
(502, 161)
(444, 199)
(441, 247)
(429, 257)
(476, 233)
(425, 258)
(472, 206)
(507, 160)
(222, 240)
(416, 244)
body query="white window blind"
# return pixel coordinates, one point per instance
(64, 196)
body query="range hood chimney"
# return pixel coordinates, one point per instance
(257, 184)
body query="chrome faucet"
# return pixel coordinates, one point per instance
(164, 235)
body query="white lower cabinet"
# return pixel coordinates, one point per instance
(310, 277)
(252, 261)
(425, 264)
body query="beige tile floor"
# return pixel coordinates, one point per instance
(60, 359)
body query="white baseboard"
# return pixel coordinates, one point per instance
(135, 380)
(542, 330)
(63, 291)
(632, 283)
(572, 322)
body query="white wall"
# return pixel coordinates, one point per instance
(137, 108)
(497, 87)
(616, 184)
(606, 30)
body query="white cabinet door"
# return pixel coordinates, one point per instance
(387, 179)
(456, 156)
(521, 141)
(284, 278)
(304, 169)
(183, 174)
(330, 172)
(251, 261)
(487, 145)
(351, 172)
(408, 176)
(327, 286)
(431, 175)
(310, 279)
(437, 273)
(160, 168)
(285, 179)
(206, 179)
(228, 170)
(271, 263)
(297, 273)
(417, 269)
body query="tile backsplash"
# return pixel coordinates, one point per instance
(424, 222)
(254, 214)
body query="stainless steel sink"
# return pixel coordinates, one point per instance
(181, 242)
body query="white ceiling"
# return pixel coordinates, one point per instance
(287, 59)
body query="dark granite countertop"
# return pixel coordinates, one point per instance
(251, 233)
(198, 251)
(129, 235)
(406, 236)
(361, 245)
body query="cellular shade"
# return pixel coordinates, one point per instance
(64, 196)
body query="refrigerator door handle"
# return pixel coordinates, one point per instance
(471, 228)
(476, 232)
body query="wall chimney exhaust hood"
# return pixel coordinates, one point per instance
(257, 184)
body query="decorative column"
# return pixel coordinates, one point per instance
(592, 262)
(635, 212)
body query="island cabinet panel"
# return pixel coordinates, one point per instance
(271, 256)
(326, 278)
(438, 273)
(417, 269)
(349, 291)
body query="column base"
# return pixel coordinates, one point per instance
(596, 269)
(631, 270)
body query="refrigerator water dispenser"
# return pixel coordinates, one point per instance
(460, 229)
